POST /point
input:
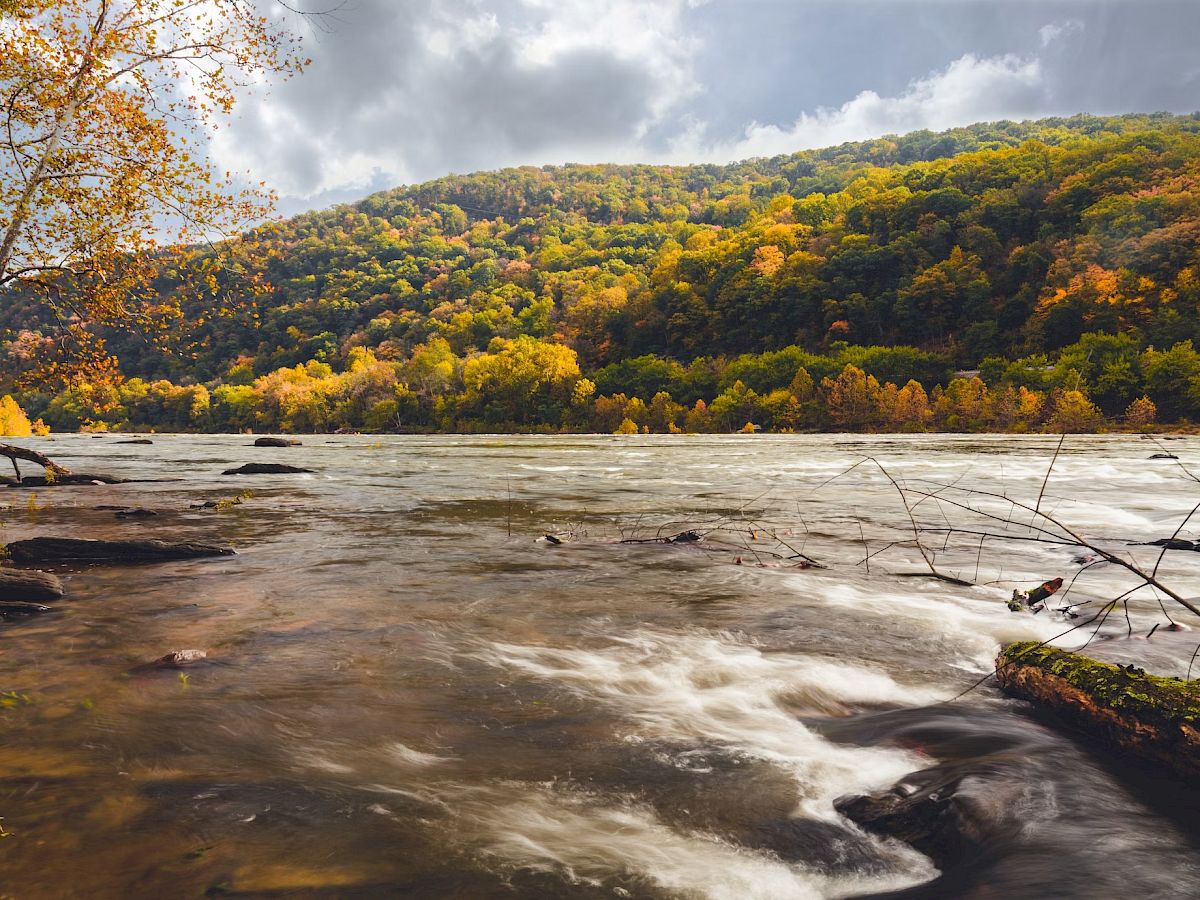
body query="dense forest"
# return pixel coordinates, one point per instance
(1007, 276)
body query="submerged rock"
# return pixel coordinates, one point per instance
(136, 512)
(1172, 544)
(29, 585)
(265, 469)
(12, 609)
(137, 441)
(176, 659)
(1155, 720)
(276, 442)
(1163, 456)
(77, 550)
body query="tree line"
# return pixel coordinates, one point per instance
(530, 384)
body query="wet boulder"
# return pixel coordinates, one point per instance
(176, 659)
(266, 469)
(29, 585)
(923, 811)
(77, 550)
(276, 442)
(136, 441)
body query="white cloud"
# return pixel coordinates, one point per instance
(403, 91)
(1057, 31)
(970, 89)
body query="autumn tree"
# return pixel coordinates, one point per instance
(1141, 413)
(852, 398)
(107, 108)
(13, 421)
(1074, 413)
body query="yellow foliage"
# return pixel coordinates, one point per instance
(13, 421)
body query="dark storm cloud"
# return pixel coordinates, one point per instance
(404, 90)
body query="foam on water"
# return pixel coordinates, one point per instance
(701, 688)
(410, 757)
(591, 841)
(976, 628)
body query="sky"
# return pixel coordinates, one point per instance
(403, 91)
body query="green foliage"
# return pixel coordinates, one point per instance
(1054, 256)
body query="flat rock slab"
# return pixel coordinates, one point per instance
(64, 480)
(137, 441)
(77, 550)
(265, 469)
(26, 585)
(276, 442)
(37, 481)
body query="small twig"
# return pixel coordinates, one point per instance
(866, 560)
(1038, 506)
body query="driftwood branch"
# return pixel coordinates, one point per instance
(15, 453)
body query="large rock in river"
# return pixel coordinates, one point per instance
(276, 442)
(77, 550)
(265, 469)
(29, 585)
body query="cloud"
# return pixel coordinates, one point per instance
(970, 89)
(404, 90)
(401, 91)
(1057, 31)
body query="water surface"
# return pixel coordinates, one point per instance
(411, 692)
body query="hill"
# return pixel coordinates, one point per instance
(1006, 247)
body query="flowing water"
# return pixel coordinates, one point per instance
(410, 692)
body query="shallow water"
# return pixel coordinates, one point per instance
(410, 692)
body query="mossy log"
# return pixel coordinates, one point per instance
(1153, 719)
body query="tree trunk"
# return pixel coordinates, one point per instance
(1153, 719)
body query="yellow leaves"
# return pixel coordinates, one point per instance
(13, 421)
(82, 84)
(767, 260)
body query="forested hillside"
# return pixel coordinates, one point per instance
(832, 288)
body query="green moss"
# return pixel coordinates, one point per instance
(1171, 701)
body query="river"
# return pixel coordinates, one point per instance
(411, 692)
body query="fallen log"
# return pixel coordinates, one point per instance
(15, 453)
(78, 550)
(265, 469)
(29, 585)
(1151, 718)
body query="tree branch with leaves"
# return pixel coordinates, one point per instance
(106, 111)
